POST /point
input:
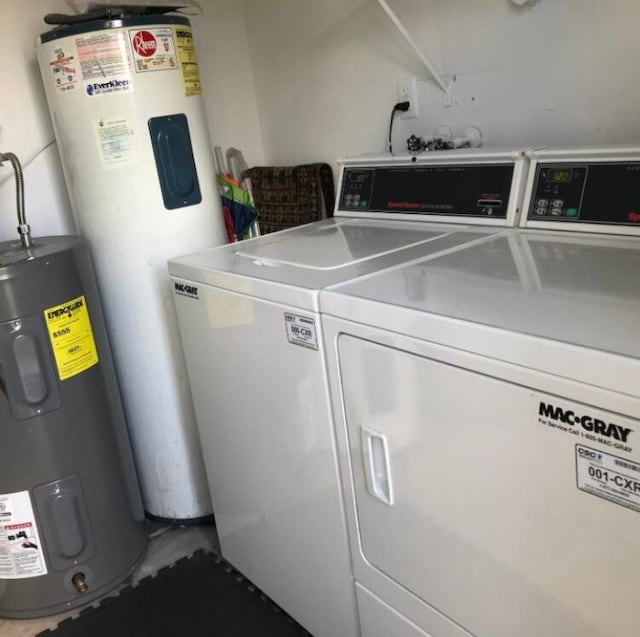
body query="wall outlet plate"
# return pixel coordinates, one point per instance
(407, 92)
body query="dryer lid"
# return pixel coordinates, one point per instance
(576, 289)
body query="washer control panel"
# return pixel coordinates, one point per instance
(598, 193)
(456, 190)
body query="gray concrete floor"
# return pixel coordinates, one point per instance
(167, 545)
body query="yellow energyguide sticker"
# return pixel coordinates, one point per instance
(188, 63)
(71, 337)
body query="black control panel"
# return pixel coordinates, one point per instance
(480, 190)
(588, 193)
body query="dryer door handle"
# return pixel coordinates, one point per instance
(375, 452)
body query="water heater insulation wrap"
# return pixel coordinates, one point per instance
(128, 115)
(69, 498)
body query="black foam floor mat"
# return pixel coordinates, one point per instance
(198, 596)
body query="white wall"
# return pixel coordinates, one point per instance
(25, 126)
(560, 72)
(227, 78)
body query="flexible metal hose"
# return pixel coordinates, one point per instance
(23, 227)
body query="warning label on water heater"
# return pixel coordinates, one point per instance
(188, 62)
(103, 55)
(71, 336)
(21, 553)
(64, 70)
(105, 63)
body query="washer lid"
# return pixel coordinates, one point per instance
(338, 245)
(582, 290)
(292, 266)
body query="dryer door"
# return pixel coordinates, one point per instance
(473, 495)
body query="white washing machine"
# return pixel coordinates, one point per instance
(487, 413)
(249, 321)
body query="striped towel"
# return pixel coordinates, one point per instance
(290, 196)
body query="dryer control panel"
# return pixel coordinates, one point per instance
(594, 193)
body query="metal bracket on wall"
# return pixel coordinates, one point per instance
(436, 76)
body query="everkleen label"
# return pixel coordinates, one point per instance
(71, 337)
(115, 85)
(21, 554)
(188, 63)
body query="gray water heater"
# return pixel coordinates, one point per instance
(71, 516)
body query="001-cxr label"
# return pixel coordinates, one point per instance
(301, 330)
(607, 476)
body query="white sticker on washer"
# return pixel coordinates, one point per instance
(301, 330)
(608, 476)
(21, 554)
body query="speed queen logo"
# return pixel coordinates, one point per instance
(144, 44)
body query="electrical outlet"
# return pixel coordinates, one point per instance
(407, 92)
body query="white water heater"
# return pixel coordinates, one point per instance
(125, 100)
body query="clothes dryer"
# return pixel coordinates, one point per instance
(248, 316)
(487, 415)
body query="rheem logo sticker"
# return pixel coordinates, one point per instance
(145, 44)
